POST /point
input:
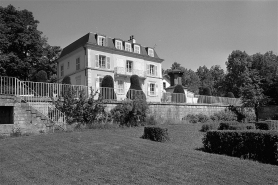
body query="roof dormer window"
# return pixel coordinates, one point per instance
(128, 46)
(101, 40)
(150, 52)
(119, 44)
(136, 49)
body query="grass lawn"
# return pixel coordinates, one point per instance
(121, 157)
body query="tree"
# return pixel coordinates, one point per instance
(252, 93)
(230, 95)
(191, 80)
(205, 78)
(218, 76)
(237, 67)
(23, 50)
(178, 94)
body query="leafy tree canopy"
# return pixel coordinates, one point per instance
(24, 50)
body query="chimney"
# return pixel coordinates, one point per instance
(132, 39)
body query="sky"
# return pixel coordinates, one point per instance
(192, 33)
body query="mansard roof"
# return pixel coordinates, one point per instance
(91, 39)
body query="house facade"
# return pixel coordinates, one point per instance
(87, 60)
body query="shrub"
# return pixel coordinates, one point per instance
(107, 92)
(192, 118)
(151, 120)
(267, 125)
(131, 113)
(233, 125)
(230, 95)
(66, 80)
(41, 76)
(207, 91)
(156, 134)
(179, 97)
(209, 126)
(256, 145)
(202, 118)
(135, 89)
(224, 115)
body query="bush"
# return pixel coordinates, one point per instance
(135, 89)
(192, 118)
(236, 126)
(209, 126)
(207, 91)
(257, 145)
(267, 125)
(156, 134)
(202, 118)
(180, 97)
(41, 76)
(230, 95)
(107, 92)
(131, 113)
(66, 80)
(224, 115)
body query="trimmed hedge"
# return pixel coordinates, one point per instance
(257, 145)
(233, 125)
(156, 134)
(267, 125)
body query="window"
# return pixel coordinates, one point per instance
(102, 62)
(120, 87)
(129, 66)
(78, 80)
(128, 47)
(118, 44)
(152, 70)
(68, 65)
(152, 89)
(150, 52)
(101, 41)
(78, 63)
(164, 85)
(62, 70)
(99, 79)
(136, 49)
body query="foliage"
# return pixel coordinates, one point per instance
(192, 118)
(135, 89)
(107, 92)
(156, 134)
(81, 110)
(202, 118)
(261, 146)
(252, 93)
(107, 81)
(267, 125)
(180, 96)
(16, 132)
(66, 80)
(41, 76)
(151, 120)
(24, 50)
(206, 91)
(233, 125)
(131, 112)
(230, 95)
(191, 81)
(209, 126)
(224, 115)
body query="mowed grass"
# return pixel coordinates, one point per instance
(121, 157)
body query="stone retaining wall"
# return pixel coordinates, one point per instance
(178, 111)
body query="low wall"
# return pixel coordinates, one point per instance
(178, 111)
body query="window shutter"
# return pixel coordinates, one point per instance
(156, 89)
(116, 87)
(108, 62)
(155, 70)
(96, 61)
(106, 41)
(148, 89)
(148, 69)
